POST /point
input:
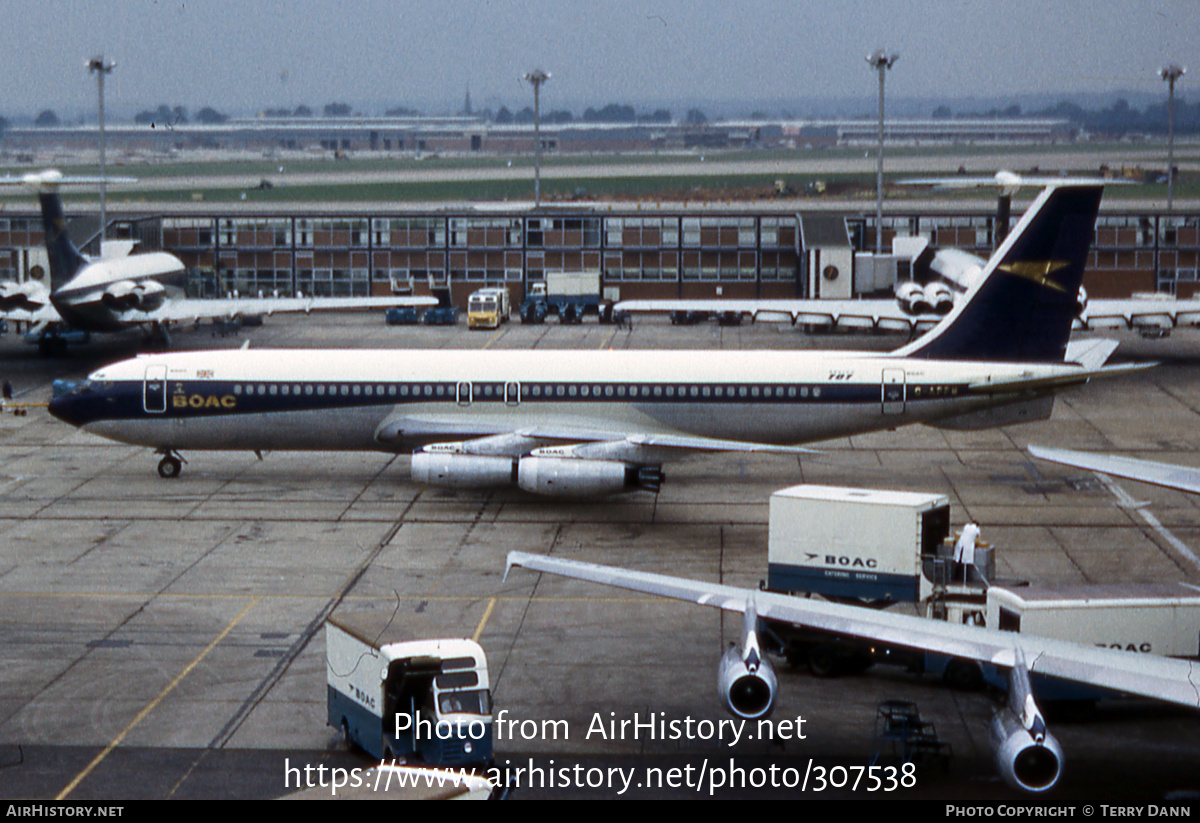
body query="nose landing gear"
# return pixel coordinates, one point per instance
(171, 464)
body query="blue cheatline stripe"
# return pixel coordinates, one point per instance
(366, 728)
(208, 397)
(837, 581)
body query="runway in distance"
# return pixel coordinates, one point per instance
(1026, 754)
(572, 424)
(115, 293)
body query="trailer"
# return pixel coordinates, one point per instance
(568, 294)
(407, 699)
(1147, 618)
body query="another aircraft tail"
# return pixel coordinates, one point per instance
(65, 259)
(1022, 308)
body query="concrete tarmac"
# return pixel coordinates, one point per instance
(163, 639)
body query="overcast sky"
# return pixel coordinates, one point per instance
(241, 56)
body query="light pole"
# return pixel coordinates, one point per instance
(881, 61)
(98, 67)
(1170, 74)
(536, 78)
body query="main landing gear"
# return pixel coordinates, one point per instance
(171, 465)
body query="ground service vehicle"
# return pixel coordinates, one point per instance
(569, 294)
(878, 548)
(488, 308)
(426, 700)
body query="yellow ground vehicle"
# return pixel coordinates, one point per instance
(488, 308)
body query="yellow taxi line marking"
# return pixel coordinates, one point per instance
(153, 703)
(483, 620)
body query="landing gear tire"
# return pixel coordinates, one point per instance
(169, 467)
(823, 661)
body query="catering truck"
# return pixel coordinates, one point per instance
(569, 294)
(882, 548)
(488, 308)
(408, 699)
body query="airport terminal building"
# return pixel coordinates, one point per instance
(642, 253)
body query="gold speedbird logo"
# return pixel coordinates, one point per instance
(1037, 271)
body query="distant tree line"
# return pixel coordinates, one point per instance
(177, 115)
(612, 113)
(1117, 120)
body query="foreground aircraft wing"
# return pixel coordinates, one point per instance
(1161, 678)
(189, 310)
(849, 314)
(1184, 478)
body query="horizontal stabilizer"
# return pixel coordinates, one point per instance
(1091, 354)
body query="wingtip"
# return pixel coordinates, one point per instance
(513, 559)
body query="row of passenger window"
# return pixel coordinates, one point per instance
(525, 391)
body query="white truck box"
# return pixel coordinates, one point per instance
(860, 543)
(1152, 618)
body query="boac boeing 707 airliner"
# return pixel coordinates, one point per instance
(570, 423)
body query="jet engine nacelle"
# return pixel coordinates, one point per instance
(1027, 755)
(578, 477)
(940, 298)
(1025, 762)
(747, 691)
(27, 296)
(462, 471)
(911, 297)
(746, 679)
(126, 295)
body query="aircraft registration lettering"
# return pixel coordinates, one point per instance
(935, 391)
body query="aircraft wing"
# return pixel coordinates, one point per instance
(1139, 313)
(638, 446)
(858, 314)
(887, 314)
(1184, 478)
(1161, 678)
(190, 310)
(43, 315)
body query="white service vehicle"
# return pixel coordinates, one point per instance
(426, 700)
(488, 308)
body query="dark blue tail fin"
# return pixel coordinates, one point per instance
(65, 259)
(1023, 307)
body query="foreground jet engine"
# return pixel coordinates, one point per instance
(1027, 755)
(745, 679)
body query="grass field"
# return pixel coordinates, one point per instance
(324, 179)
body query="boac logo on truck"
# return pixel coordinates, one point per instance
(843, 560)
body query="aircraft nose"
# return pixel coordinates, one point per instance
(75, 408)
(66, 410)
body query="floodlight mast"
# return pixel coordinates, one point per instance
(536, 78)
(98, 67)
(881, 61)
(1170, 74)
